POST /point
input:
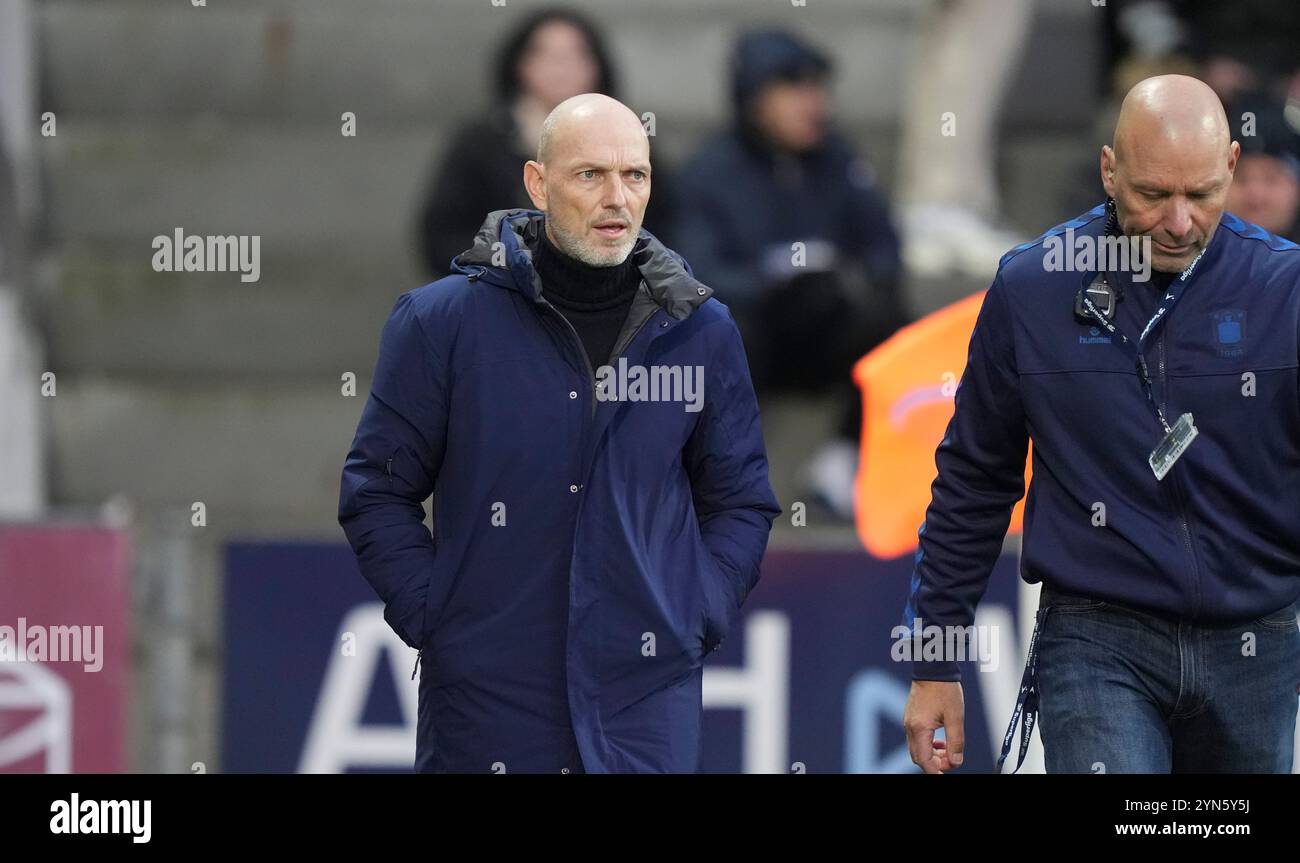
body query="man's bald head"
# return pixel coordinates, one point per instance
(580, 115)
(1172, 112)
(592, 178)
(1170, 166)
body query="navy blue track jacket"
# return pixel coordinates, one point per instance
(1218, 539)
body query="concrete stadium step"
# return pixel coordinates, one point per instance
(130, 181)
(242, 447)
(309, 315)
(392, 59)
(398, 59)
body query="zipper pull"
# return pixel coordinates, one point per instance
(389, 467)
(418, 654)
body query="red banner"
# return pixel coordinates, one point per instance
(64, 649)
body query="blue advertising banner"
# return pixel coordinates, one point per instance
(809, 681)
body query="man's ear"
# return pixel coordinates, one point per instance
(535, 183)
(1108, 170)
(1234, 153)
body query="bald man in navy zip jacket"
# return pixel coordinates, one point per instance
(1167, 630)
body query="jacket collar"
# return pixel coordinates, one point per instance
(501, 256)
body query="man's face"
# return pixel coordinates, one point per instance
(1266, 193)
(1172, 191)
(594, 191)
(793, 114)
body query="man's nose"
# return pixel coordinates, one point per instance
(1178, 220)
(615, 193)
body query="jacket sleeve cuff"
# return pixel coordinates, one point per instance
(405, 614)
(936, 670)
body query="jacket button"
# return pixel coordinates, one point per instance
(700, 291)
(573, 488)
(573, 394)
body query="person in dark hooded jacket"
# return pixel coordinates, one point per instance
(784, 220)
(579, 406)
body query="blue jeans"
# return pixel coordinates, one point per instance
(1124, 691)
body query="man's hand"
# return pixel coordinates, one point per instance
(934, 704)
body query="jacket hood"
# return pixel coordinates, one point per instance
(666, 275)
(761, 56)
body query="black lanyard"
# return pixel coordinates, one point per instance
(1026, 699)
(1172, 294)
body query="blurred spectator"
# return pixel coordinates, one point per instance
(554, 54)
(784, 220)
(1237, 48)
(1266, 188)
(1245, 45)
(965, 56)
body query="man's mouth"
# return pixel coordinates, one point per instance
(611, 229)
(1173, 250)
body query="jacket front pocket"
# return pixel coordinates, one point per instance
(717, 601)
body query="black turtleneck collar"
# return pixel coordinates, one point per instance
(594, 300)
(570, 282)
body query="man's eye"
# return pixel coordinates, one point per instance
(588, 175)
(638, 175)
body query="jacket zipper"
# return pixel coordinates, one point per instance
(624, 340)
(623, 343)
(1177, 486)
(586, 360)
(577, 340)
